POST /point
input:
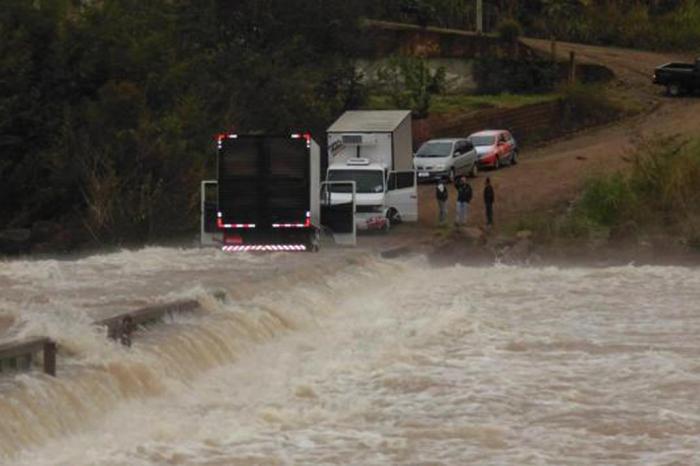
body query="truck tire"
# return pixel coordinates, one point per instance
(392, 218)
(674, 90)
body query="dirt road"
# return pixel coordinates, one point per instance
(550, 176)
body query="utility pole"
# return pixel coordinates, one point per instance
(479, 16)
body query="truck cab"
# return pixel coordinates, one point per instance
(679, 78)
(382, 197)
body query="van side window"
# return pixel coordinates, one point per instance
(391, 182)
(405, 180)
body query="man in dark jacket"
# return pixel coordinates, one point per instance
(464, 197)
(489, 199)
(441, 195)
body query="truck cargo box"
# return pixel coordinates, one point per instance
(268, 188)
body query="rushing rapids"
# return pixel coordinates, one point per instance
(335, 359)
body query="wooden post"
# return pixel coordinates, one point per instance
(572, 67)
(479, 16)
(50, 358)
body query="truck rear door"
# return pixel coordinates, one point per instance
(263, 180)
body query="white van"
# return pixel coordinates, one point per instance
(446, 158)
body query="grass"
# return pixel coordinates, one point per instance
(657, 195)
(461, 103)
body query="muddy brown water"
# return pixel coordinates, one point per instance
(369, 362)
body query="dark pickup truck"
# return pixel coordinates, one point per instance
(678, 78)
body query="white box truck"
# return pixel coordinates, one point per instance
(374, 148)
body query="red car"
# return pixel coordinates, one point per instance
(495, 147)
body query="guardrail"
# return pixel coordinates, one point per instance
(121, 326)
(14, 354)
(18, 355)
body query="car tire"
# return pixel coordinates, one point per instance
(474, 171)
(674, 90)
(514, 158)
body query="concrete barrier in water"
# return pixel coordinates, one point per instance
(121, 326)
(16, 355)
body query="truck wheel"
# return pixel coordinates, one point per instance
(674, 90)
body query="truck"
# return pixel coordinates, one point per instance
(678, 78)
(374, 148)
(268, 192)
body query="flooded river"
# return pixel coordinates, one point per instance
(338, 358)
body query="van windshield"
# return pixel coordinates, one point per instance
(435, 150)
(366, 181)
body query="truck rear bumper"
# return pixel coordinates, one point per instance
(277, 239)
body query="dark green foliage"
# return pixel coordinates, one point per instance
(411, 83)
(509, 30)
(108, 112)
(495, 75)
(586, 105)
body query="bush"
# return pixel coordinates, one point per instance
(509, 30)
(585, 105)
(659, 192)
(495, 75)
(605, 199)
(411, 83)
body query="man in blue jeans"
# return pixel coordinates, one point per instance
(464, 197)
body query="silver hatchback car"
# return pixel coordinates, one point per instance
(440, 158)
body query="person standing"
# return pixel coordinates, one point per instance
(489, 199)
(464, 197)
(441, 195)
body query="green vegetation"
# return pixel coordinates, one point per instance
(495, 75)
(108, 111)
(658, 194)
(588, 105)
(461, 103)
(509, 30)
(410, 83)
(653, 24)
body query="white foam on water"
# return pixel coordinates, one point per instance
(379, 363)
